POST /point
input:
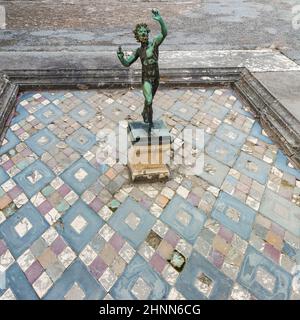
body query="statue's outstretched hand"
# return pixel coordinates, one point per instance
(120, 52)
(156, 15)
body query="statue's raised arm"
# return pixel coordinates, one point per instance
(164, 31)
(130, 60)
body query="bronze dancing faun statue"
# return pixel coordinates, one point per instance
(148, 53)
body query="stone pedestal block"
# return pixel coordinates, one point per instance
(149, 153)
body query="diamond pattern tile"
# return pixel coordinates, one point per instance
(184, 218)
(80, 175)
(132, 221)
(33, 178)
(79, 225)
(22, 229)
(73, 226)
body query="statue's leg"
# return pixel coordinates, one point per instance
(148, 112)
(154, 88)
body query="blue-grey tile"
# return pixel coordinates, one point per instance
(81, 140)
(213, 171)
(184, 218)
(136, 234)
(48, 114)
(20, 114)
(231, 135)
(90, 175)
(187, 282)
(283, 212)
(16, 243)
(252, 167)
(78, 239)
(257, 133)
(77, 274)
(3, 175)
(9, 142)
(157, 288)
(277, 280)
(83, 113)
(18, 284)
(42, 141)
(282, 162)
(183, 110)
(222, 151)
(215, 109)
(234, 215)
(33, 170)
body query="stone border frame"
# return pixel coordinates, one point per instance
(276, 120)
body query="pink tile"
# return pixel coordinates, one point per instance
(272, 252)
(3, 247)
(216, 259)
(14, 192)
(96, 204)
(34, 271)
(243, 187)
(19, 131)
(117, 242)
(45, 207)
(97, 267)
(145, 203)
(172, 238)
(193, 199)
(64, 190)
(52, 162)
(225, 234)
(8, 164)
(26, 152)
(158, 263)
(58, 245)
(278, 230)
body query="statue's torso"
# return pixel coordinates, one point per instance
(149, 58)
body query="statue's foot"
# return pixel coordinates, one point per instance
(145, 116)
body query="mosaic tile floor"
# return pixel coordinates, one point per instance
(73, 228)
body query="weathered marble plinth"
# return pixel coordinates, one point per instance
(149, 153)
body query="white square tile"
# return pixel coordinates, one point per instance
(23, 227)
(132, 221)
(183, 217)
(265, 279)
(67, 257)
(75, 293)
(233, 214)
(6, 260)
(79, 224)
(26, 260)
(34, 177)
(106, 232)
(88, 255)
(42, 284)
(127, 252)
(8, 295)
(108, 279)
(204, 284)
(80, 175)
(141, 289)
(50, 235)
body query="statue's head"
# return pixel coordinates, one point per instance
(141, 32)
